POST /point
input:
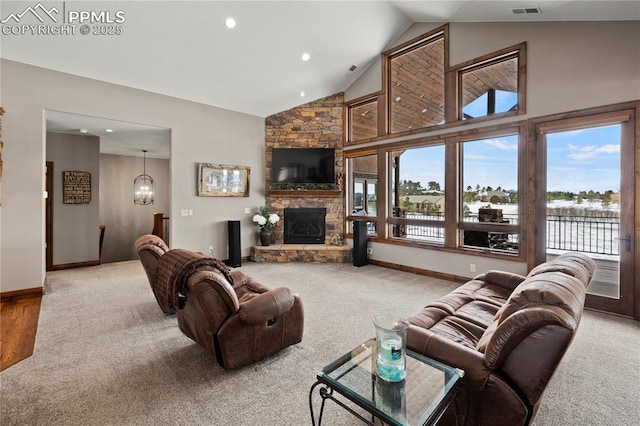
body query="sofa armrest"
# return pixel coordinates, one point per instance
(452, 353)
(503, 279)
(266, 306)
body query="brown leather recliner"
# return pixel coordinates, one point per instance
(150, 248)
(228, 313)
(508, 333)
(240, 323)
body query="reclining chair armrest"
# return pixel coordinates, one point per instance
(266, 306)
(240, 279)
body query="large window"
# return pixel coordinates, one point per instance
(363, 120)
(491, 85)
(489, 194)
(421, 90)
(416, 85)
(417, 193)
(363, 188)
(461, 191)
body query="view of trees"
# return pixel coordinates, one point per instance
(498, 195)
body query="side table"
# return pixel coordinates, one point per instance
(420, 399)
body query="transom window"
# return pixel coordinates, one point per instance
(416, 85)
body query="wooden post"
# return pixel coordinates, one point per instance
(158, 227)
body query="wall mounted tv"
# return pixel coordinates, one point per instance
(303, 165)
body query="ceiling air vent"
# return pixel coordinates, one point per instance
(526, 10)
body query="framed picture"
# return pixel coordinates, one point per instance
(220, 180)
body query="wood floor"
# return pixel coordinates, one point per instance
(18, 326)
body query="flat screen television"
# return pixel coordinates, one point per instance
(303, 165)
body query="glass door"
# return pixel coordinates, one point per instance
(589, 202)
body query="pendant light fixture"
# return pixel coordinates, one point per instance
(143, 185)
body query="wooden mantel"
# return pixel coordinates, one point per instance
(305, 193)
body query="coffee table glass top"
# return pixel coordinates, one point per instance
(416, 400)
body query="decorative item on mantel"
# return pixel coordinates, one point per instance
(266, 221)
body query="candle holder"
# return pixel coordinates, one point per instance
(391, 340)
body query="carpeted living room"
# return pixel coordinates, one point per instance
(106, 354)
(319, 212)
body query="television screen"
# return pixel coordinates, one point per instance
(303, 165)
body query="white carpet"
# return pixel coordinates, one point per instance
(105, 354)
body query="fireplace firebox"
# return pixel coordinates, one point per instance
(304, 225)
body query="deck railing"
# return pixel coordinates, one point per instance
(597, 235)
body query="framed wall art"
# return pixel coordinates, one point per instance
(220, 180)
(76, 187)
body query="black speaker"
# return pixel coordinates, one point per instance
(235, 260)
(360, 243)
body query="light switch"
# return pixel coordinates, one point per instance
(247, 210)
(184, 212)
(190, 212)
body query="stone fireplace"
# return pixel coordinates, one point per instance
(317, 124)
(304, 225)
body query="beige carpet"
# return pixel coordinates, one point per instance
(105, 354)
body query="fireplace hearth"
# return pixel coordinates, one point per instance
(304, 225)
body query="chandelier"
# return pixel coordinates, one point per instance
(143, 185)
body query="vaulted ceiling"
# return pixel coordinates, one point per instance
(183, 48)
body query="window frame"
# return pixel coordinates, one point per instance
(517, 51)
(408, 47)
(378, 98)
(452, 224)
(511, 129)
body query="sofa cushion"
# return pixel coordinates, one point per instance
(449, 326)
(550, 288)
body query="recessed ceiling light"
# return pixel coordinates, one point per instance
(230, 23)
(302, 94)
(84, 131)
(306, 57)
(108, 130)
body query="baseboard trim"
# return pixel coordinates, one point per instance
(75, 265)
(10, 296)
(419, 271)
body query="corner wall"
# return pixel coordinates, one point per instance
(317, 124)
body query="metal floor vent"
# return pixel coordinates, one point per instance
(526, 10)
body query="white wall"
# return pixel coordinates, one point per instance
(75, 226)
(199, 133)
(570, 66)
(124, 220)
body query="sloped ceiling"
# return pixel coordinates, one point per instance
(183, 49)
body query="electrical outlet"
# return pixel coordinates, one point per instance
(369, 250)
(472, 267)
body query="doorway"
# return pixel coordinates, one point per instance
(586, 175)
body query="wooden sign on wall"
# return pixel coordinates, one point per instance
(76, 187)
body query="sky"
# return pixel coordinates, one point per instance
(578, 160)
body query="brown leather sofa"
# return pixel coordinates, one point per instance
(228, 313)
(150, 248)
(508, 333)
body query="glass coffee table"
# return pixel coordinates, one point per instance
(420, 399)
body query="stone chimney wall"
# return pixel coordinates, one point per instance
(317, 124)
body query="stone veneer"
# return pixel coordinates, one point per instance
(283, 253)
(318, 124)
